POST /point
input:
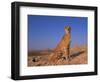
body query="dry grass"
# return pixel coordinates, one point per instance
(78, 55)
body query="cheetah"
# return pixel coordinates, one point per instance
(62, 50)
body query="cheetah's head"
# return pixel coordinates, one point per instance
(67, 29)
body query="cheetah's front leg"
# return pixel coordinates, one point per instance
(67, 53)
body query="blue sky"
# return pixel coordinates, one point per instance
(46, 31)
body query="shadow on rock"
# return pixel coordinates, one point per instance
(76, 54)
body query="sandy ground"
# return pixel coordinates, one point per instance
(78, 55)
